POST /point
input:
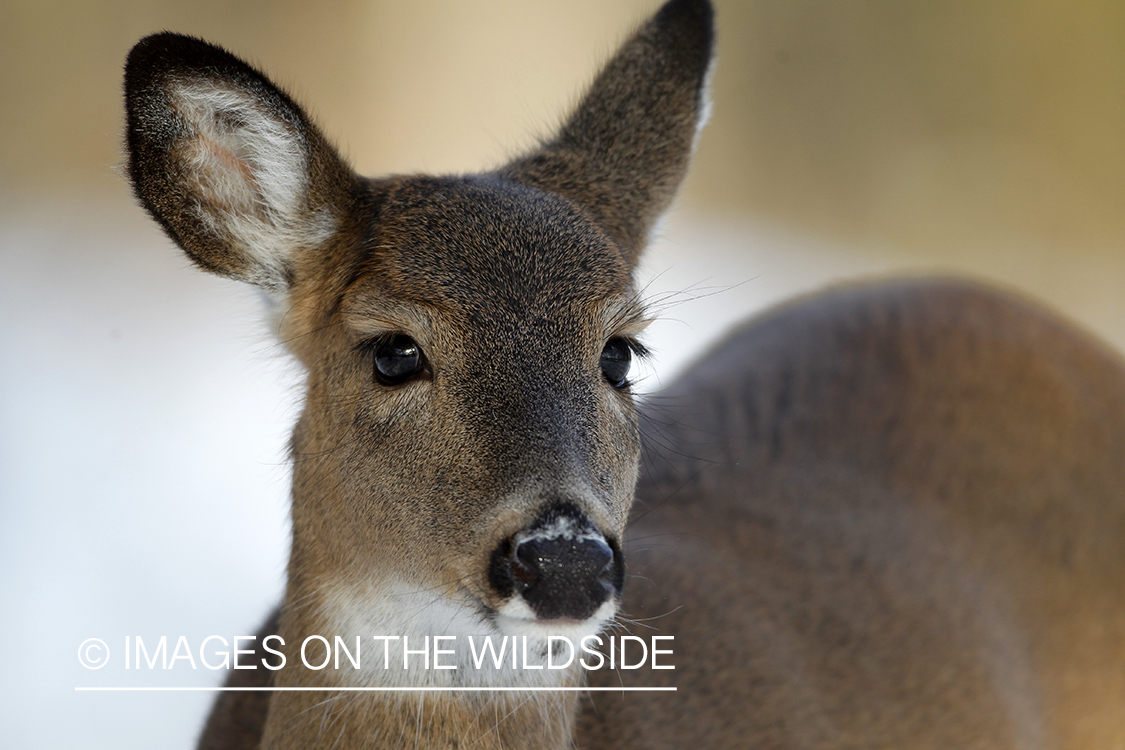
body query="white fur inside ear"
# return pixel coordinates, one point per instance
(248, 168)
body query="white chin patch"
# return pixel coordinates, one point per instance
(515, 658)
(517, 619)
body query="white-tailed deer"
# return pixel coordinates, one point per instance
(886, 516)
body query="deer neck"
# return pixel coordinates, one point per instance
(450, 698)
(513, 721)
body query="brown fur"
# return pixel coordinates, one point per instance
(907, 501)
(889, 516)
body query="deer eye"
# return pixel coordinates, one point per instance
(397, 359)
(616, 358)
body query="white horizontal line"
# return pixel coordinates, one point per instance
(378, 689)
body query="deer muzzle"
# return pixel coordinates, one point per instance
(561, 566)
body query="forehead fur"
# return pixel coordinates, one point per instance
(483, 245)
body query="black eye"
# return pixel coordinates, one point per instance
(615, 360)
(397, 359)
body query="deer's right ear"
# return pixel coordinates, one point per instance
(232, 169)
(625, 149)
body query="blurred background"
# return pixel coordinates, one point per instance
(144, 408)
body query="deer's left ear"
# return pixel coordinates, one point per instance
(624, 151)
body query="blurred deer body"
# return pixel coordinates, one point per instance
(844, 539)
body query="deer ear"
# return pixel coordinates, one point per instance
(624, 151)
(232, 169)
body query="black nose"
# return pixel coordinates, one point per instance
(560, 574)
(564, 577)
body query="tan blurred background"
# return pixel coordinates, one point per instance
(926, 127)
(142, 479)
(936, 128)
(982, 137)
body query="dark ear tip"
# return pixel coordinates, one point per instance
(157, 55)
(697, 13)
(155, 48)
(689, 26)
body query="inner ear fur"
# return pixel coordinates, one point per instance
(624, 151)
(232, 169)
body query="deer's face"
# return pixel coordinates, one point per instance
(469, 431)
(469, 421)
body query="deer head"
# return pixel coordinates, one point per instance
(466, 457)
